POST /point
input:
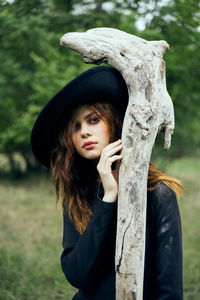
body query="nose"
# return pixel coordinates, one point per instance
(85, 131)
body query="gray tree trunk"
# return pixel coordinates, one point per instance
(149, 110)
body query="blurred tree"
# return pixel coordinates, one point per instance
(178, 23)
(28, 51)
(34, 67)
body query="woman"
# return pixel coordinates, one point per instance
(77, 135)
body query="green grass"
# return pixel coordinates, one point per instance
(30, 242)
(188, 170)
(31, 236)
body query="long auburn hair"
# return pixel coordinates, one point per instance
(74, 176)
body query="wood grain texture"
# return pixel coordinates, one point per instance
(149, 110)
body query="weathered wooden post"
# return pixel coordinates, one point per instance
(149, 110)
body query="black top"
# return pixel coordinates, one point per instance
(88, 260)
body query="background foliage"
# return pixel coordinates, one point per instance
(34, 67)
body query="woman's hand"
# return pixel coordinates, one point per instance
(108, 176)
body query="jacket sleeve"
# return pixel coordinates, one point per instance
(83, 253)
(168, 244)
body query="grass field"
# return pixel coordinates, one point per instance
(31, 236)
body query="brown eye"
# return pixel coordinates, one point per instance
(94, 120)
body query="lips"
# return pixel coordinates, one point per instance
(89, 144)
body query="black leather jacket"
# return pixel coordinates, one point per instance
(88, 259)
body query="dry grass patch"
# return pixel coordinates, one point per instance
(31, 236)
(30, 239)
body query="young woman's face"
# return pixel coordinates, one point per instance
(89, 133)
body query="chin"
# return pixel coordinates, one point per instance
(92, 157)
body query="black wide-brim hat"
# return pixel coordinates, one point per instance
(97, 84)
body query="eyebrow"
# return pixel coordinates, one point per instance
(87, 116)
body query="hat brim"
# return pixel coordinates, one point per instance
(97, 84)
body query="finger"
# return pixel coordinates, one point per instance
(107, 150)
(114, 158)
(105, 154)
(111, 145)
(111, 152)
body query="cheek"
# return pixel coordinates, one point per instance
(105, 135)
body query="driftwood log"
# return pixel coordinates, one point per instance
(149, 110)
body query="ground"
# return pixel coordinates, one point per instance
(31, 236)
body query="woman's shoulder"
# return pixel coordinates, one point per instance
(163, 211)
(162, 199)
(161, 192)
